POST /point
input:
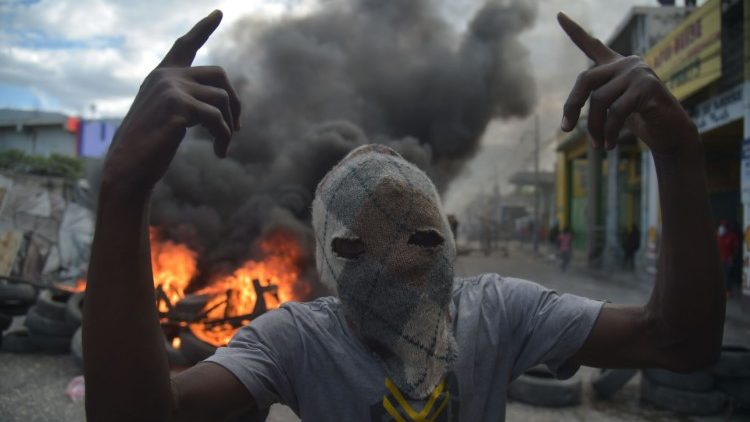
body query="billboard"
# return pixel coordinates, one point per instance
(689, 58)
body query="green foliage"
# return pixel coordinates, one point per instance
(54, 165)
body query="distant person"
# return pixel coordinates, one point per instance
(404, 339)
(630, 245)
(554, 233)
(453, 221)
(565, 248)
(729, 243)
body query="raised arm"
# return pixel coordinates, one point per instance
(681, 326)
(126, 369)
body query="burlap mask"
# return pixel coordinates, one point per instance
(384, 244)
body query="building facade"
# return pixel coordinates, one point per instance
(599, 195)
(705, 62)
(45, 133)
(38, 132)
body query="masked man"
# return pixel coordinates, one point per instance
(403, 340)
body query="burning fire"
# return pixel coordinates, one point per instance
(173, 265)
(235, 296)
(79, 286)
(233, 300)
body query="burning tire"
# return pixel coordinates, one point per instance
(52, 304)
(18, 341)
(696, 381)
(682, 401)
(189, 308)
(193, 348)
(175, 355)
(74, 308)
(41, 325)
(539, 387)
(610, 381)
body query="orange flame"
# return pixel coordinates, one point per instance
(173, 266)
(234, 295)
(79, 286)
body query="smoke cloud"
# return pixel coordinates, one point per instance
(315, 87)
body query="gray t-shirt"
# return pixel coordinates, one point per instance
(303, 354)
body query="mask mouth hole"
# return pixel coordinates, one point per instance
(426, 238)
(349, 248)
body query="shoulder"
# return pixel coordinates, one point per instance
(494, 287)
(493, 297)
(316, 312)
(291, 321)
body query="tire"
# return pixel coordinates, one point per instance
(50, 344)
(15, 299)
(74, 308)
(17, 291)
(76, 348)
(18, 341)
(39, 324)
(193, 348)
(540, 388)
(5, 321)
(698, 382)
(734, 362)
(189, 307)
(737, 388)
(610, 381)
(680, 401)
(175, 356)
(14, 307)
(51, 304)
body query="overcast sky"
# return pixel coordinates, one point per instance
(70, 55)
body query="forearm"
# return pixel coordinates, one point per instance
(126, 369)
(687, 304)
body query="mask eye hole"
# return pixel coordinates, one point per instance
(348, 248)
(428, 238)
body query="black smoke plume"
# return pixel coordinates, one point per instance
(315, 87)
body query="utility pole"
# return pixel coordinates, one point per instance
(536, 183)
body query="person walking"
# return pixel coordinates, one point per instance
(631, 243)
(728, 245)
(565, 243)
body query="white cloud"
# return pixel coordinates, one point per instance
(96, 52)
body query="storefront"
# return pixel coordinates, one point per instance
(704, 64)
(611, 183)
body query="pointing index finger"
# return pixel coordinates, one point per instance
(183, 51)
(592, 47)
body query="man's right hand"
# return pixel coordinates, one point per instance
(173, 97)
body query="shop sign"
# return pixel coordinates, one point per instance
(689, 57)
(719, 110)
